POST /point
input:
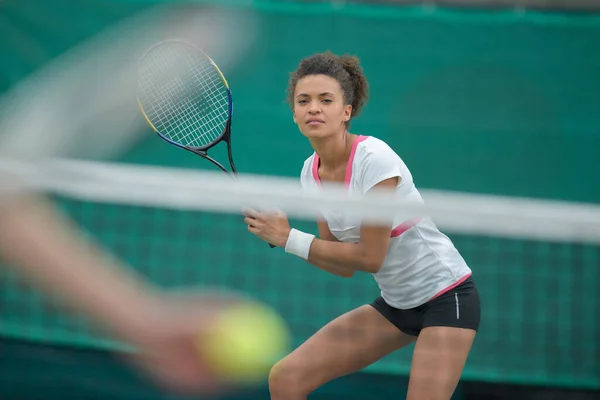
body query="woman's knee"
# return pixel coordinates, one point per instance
(289, 377)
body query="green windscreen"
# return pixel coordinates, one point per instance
(483, 102)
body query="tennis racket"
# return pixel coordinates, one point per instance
(185, 98)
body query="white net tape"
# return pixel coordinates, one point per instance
(185, 189)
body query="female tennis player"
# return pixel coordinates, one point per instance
(427, 293)
(35, 239)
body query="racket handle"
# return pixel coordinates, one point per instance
(271, 245)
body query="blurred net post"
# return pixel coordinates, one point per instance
(495, 102)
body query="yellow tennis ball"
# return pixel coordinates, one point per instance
(246, 341)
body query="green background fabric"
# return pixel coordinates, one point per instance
(473, 101)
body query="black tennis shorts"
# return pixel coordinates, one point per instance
(458, 308)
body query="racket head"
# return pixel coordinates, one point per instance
(184, 96)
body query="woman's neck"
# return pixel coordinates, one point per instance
(334, 151)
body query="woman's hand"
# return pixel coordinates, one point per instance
(272, 226)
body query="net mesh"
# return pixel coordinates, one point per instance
(539, 290)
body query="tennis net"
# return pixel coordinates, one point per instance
(535, 262)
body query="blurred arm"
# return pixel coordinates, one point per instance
(49, 253)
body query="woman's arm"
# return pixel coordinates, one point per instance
(324, 232)
(333, 256)
(345, 258)
(326, 235)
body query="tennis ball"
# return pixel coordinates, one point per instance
(245, 342)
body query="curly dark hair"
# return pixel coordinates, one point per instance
(346, 69)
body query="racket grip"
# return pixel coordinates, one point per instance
(271, 245)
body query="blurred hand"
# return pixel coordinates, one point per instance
(169, 343)
(272, 226)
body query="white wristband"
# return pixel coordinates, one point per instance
(298, 243)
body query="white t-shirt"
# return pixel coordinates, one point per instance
(421, 262)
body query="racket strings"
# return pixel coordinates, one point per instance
(190, 121)
(183, 95)
(216, 96)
